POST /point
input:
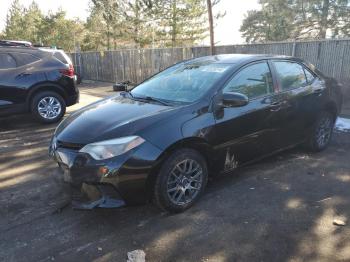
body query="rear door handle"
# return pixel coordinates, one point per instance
(318, 91)
(275, 106)
(23, 74)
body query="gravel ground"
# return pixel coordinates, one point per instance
(280, 209)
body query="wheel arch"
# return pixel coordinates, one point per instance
(195, 143)
(47, 86)
(332, 108)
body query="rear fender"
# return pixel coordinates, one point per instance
(45, 86)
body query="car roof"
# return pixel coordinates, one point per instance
(41, 52)
(239, 58)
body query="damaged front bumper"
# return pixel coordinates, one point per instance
(115, 183)
(99, 195)
(89, 195)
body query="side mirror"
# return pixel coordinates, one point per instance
(231, 99)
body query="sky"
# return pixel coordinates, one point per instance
(226, 31)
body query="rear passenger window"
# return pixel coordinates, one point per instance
(253, 81)
(24, 59)
(309, 76)
(7, 61)
(291, 75)
(62, 57)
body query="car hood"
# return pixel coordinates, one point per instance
(110, 118)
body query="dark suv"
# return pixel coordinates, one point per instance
(36, 80)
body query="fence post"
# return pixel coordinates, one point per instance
(113, 69)
(293, 50)
(342, 62)
(123, 63)
(81, 72)
(96, 66)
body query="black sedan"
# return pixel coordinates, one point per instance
(162, 140)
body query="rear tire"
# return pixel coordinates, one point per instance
(181, 181)
(48, 107)
(321, 133)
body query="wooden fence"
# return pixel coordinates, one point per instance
(330, 56)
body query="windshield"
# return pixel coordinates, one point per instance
(185, 82)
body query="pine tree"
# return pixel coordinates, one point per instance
(95, 36)
(138, 26)
(297, 19)
(322, 18)
(181, 22)
(32, 22)
(274, 22)
(14, 21)
(110, 14)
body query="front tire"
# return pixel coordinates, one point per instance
(321, 132)
(181, 181)
(48, 107)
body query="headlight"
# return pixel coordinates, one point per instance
(111, 148)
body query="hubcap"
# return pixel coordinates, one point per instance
(185, 182)
(324, 131)
(49, 107)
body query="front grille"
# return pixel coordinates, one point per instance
(68, 145)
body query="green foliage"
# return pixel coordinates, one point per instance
(181, 22)
(15, 21)
(297, 19)
(144, 23)
(50, 30)
(113, 24)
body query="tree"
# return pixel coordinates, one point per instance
(110, 15)
(181, 22)
(95, 36)
(210, 5)
(114, 24)
(322, 17)
(138, 26)
(274, 22)
(297, 19)
(211, 26)
(33, 18)
(58, 31)
(14, 21)
(53, 29)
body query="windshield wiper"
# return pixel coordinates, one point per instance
(150, 98)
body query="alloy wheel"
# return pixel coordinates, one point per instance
(185, 182)
(49, 107)
(324, 131)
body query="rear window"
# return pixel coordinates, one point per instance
(309, 76)
(24, 59)
(61, 56)
(290, 74)
(7, 61)
(253, 81)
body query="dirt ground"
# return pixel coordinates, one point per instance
(280, 209)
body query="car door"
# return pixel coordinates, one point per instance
(245, 133)
(7, 66)
(16, 77)
(297, 94)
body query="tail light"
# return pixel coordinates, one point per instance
(68, 72)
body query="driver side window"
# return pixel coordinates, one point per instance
(253, 81)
